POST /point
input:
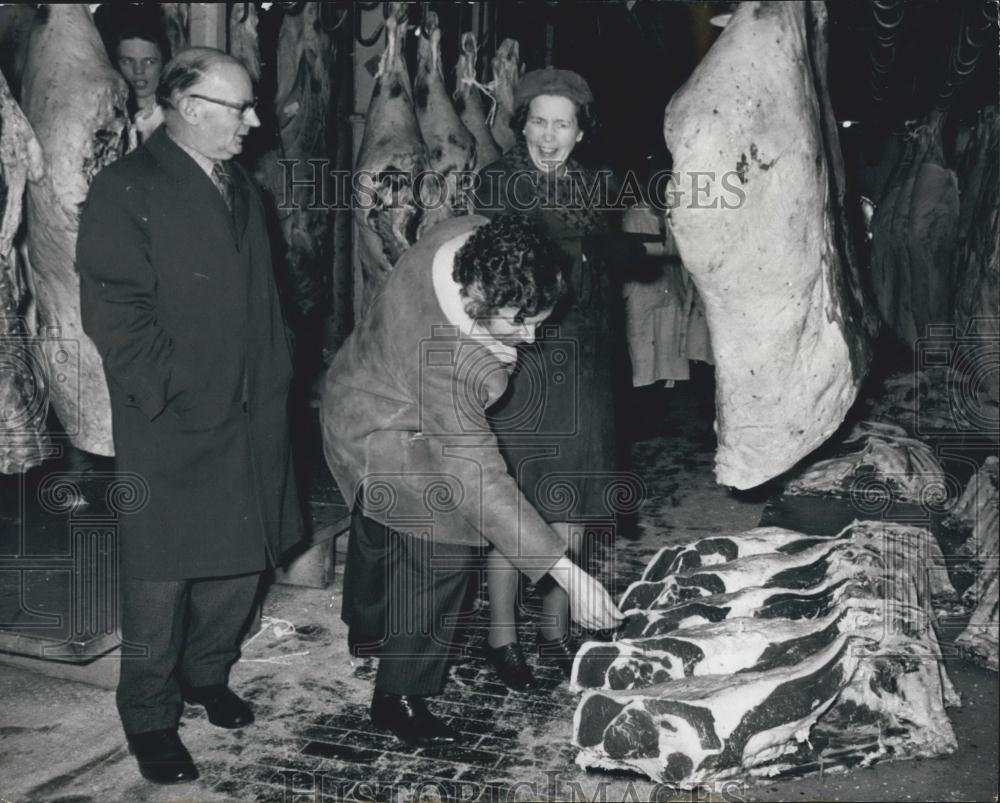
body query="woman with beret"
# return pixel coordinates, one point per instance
(556, 424)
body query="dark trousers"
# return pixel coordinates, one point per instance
(186, 631)
(403, 599)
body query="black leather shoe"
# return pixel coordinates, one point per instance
(559, 652)
(509, 663)
(408, 718)
(162, 757)
(225, 709)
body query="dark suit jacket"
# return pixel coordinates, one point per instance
(179, 297)
(403, 417)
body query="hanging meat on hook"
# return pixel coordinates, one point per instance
(23, 403)
(75, 101)
(760, 223)
(506, 72)
(243, 42)
(175, 21)
(388, 212)
(469, 105)
(914, 234)
(304, 63)
(452, 149)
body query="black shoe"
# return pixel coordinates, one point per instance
(408, 718)
(509, 663)
(162, 757)
(559, 652)
(225, 709)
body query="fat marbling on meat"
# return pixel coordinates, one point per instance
(837, 669)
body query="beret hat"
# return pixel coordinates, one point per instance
(551, 81)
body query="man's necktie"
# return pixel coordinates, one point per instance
(224, 182)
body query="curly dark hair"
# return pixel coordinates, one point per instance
(510, 262)
(586, 118)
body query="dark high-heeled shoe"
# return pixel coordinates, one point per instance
(558, 651)
(510, 665)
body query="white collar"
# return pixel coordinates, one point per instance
(449, 296)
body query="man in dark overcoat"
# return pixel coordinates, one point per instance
(178, 295)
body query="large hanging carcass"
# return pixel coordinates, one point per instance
(305, 56)
(450, 145)
(759, 221)
(75, 102)
(23, 386)
(392, 157)
(914, 233)
(506, 74)
(469, 105)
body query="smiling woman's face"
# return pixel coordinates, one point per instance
(551, 131)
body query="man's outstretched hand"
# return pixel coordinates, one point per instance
(589, 603)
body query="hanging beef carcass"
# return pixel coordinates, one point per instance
(759, 221)
(16, 22)
(388, 212)
(977, 262)
(506, 72)
(304, 64)
(470, 106)
(175, 22)
(452, 149)
(243, 42)
(75, 102)
(23, 388)
(914, 233)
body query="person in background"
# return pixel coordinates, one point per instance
(556, 424)
(177, 293)
(406, 437)
(140, 50)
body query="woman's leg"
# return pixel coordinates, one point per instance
(554, 624)
(502, 584)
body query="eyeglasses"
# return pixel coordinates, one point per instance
(242, 108)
